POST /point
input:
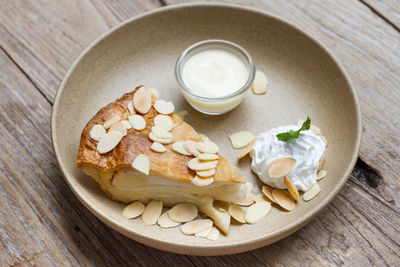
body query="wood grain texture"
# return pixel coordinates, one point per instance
(43, 224)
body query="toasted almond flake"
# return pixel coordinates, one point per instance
(311, 192)
(324, 139)
(261, 198)
(291, 188)
(190, 146)
(204, 233)
(164, 122)
(281, 166)
(257, 211)
(118, 126)
(321, 174)
(137, 121)
(182, 113)
(152, 212)
(200, 181)
(97, 132)
(197, 165)
(249, 196)
(283, 199)
(196, 226)
(267, 191)
(133, 210)
(154, 92)
(130, 108)
(165, 221)
(251, 154)
(109, 141)
(142, 164)
(260, 83)
(157, 147)
(238, 213)
(208, 157)
(245, 151)
(315, 129)
(321, 162)
(164, 107)
(207, 147)
(127, 124)
(107, 124)
(161, 133)
(214, 234)
(179, 148)
(241, 139)
(205, 174)
(183, 212)
(160, 140)
(142, 100)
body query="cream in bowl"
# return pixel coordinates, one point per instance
(214, 75)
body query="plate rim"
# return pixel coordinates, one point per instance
(207, 249)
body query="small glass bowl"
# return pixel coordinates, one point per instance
(214, 105)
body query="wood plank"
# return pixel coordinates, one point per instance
(387, 9)
(44, 37)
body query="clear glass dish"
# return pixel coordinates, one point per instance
(214, 105)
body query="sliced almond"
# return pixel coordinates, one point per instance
(190, 146)
(157, 147)
(152, 212)
(160, 140)
(164, 107)
(291, 188)
(257, 211)
(97, 132)
(118, 126)
(107, 124)
(246, 150)
(165, 221)
(183, 212)
(321, 174)
(251, 154)
(207, 147)
(179, 148)
(324, 139)
(249, 198)
(241, 139)
(161, 132)
(182, 113)
(311, 192)
(130, 108)
(283, 199)
(267, 191)
(137, 121)
(163, 121)
(199, 181)
(205, 174)
(142, 100)
(142, 164)
(204, 137)
(280, 167)
(133, 210)
(197, 165)
(127, 124)
(214, 234)
(260, 83)
(109, 141)
(204, 233)
(320, 163)
(315, 129)
(208, 157)
(261, 198)
(196, 226)
(154, 92)
(238, 213)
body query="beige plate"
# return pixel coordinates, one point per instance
(304, 79)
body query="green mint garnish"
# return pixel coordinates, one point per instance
(288, 136)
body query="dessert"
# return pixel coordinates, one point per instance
(130, 163)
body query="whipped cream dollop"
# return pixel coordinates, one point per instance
(307, 150)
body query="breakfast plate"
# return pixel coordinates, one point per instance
(304, 80)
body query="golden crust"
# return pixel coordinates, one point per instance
(168, 164)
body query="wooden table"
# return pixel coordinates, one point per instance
(42, 223)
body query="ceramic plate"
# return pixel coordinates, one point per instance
(304, 80)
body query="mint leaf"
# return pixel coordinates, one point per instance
(288, 136)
